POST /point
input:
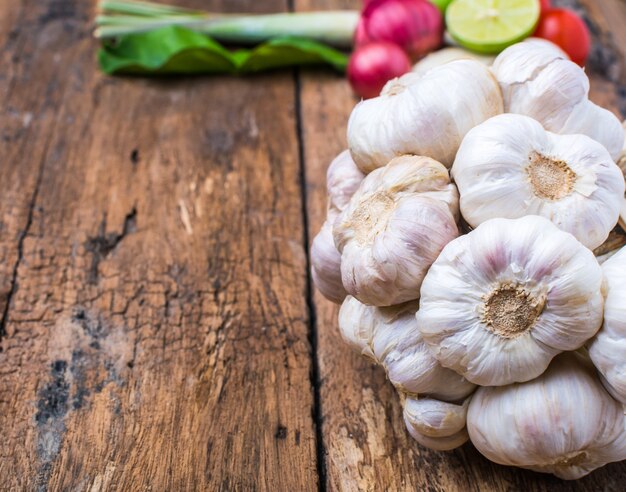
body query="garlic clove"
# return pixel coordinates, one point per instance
(423, 115)
(391, 337)
(342, 180)
(435, 424)
(608, 349)
(509, 167)
(563, 422)
(538, 80)
(326, 265)
(501, 301)
(394, 228)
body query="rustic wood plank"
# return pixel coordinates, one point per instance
(365, 443)
(157, 335)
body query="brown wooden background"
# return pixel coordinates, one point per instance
(158, 328)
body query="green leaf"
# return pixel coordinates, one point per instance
(177, 50)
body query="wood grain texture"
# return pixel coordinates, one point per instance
(157, 334)
(366, 446)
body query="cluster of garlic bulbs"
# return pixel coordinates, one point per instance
(459, 238)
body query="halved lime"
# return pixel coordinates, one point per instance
(489, 26)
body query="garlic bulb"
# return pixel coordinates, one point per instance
(436, 424)
(563, 423)
(357, 323)
(500, 302)
(326, 265)
(390, 336)
(448, 54)
(538, 80)
(342, 180)
(426, 115)
(393, 229)
(608, 348)
(509, 166)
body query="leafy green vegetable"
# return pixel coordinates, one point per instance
(178, 50)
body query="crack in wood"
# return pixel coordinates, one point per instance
(311, 310)
(20, 247)
(103, 244)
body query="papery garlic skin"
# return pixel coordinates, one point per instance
(500, 302)
(436, 424)
(426, 115)
(509, 167)
(357, 323)
(342, 179)
(563, 422)
(326, 265)
(608, 349)
(448, 54)
(394, 228)
(390, 336)
(538, 80)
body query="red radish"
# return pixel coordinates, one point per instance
(566, 29)
(373, 64)
(414, 25)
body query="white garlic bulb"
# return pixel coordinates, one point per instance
(394, 228)
(500, 302)
(326, 265)
(423, 115)
(390, 336)
(538, 80)
(563, 422)
(436, 424)
(357, 323)
(509, 166)
(448, 54)
(342, 180)
(608, 348)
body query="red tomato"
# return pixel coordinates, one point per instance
(564, 28)
(545, 6)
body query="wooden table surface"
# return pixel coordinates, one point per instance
(158, 327)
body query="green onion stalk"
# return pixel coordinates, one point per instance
(122, 17)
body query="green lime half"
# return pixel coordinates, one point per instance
(489, 26)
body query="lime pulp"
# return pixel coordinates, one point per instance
(489, 26)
